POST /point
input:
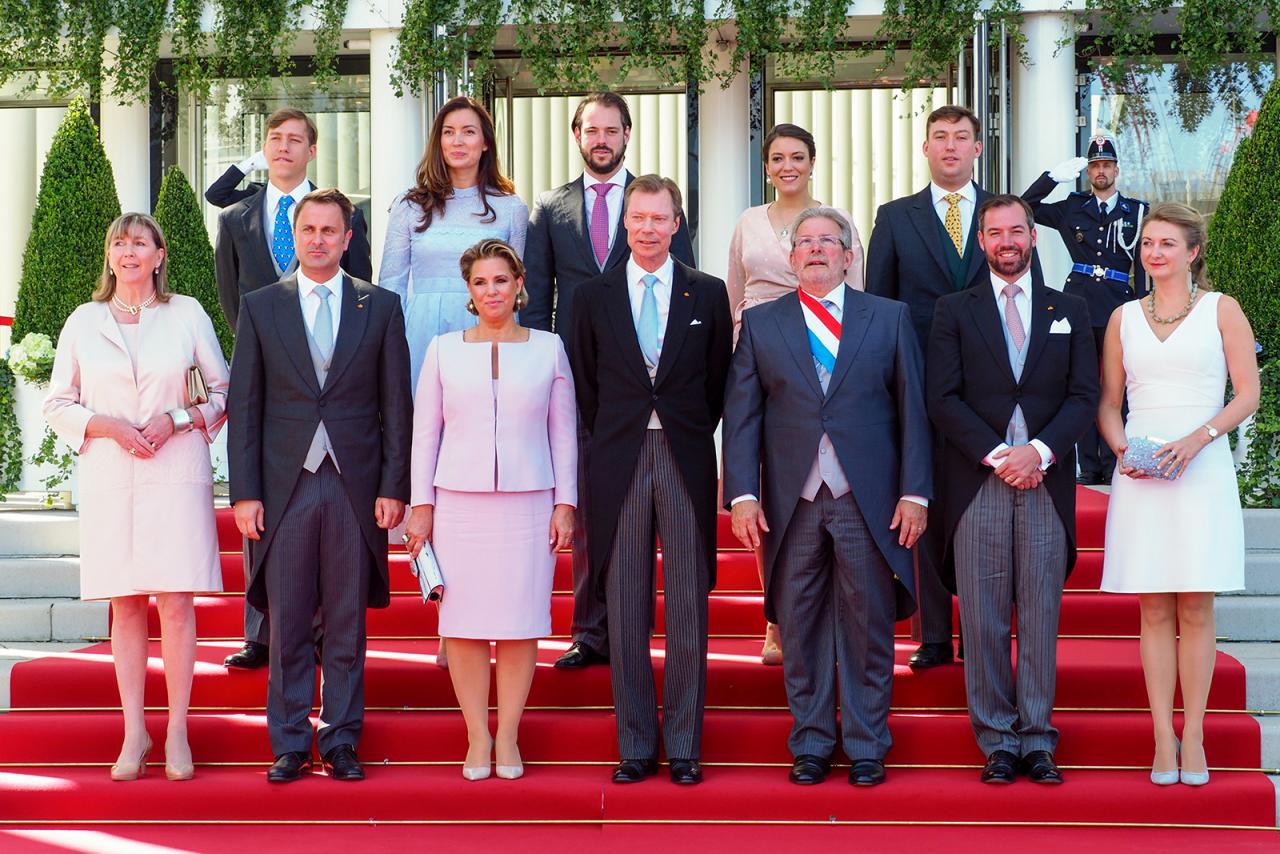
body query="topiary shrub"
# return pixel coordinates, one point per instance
(1243, 256)
(76, 204)
(190, 255)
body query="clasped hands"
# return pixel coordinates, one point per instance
(1019, 466)
(249, 514)
(142, 441)
(749, 524)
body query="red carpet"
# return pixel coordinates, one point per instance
(64, 730)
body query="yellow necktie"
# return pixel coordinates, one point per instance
(952, 221)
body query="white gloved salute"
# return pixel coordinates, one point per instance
(1068, 170)
(253, 163)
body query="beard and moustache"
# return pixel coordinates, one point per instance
(1013, 266)
(609, 166)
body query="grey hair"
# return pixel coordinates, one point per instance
(846, 231)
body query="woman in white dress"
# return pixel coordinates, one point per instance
(1176, 541)
(118, 395)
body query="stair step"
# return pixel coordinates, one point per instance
(51, 620)
(39, 578)
(40, 533)
(1247, 618)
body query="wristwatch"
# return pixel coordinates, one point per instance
(181, 420)
(1213, 433)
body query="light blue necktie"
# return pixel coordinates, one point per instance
(647, 328)
(282, 236)
(322, 329)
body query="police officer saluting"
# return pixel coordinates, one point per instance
(1100, 229)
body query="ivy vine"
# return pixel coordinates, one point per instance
(10, 434)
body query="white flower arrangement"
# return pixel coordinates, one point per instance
(32, 357)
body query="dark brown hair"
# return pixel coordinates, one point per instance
(121, 227)
(1006, 200)
(1191, 223)
(654, 184)
(434, 187)
(284, 114)
(608, 99)
(789, 131)
(493, 248)
(328, 197)
(952, 113)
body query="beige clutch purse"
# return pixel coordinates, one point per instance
(197, 391)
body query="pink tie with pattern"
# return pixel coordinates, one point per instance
(600, 223)
(1011, 317)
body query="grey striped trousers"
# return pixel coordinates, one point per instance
(657, 494)
(318, 558)
(1010, 547)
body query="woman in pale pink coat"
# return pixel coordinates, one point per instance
(118, 396)
(494, 484)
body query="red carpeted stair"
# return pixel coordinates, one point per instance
(64, 730)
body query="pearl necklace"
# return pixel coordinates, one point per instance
(1151, 307)
(135, 310)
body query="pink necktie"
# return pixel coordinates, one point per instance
(1012, 319)
(600, 223)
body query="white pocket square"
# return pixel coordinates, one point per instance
(695, 322)
(1060, 326)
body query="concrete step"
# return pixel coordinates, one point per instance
(39, 533)
(52, 620)
(39, 577)
(1262, 529)
(1248, 617)
(1261, 573)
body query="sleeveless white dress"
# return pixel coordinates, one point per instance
(1185, 535)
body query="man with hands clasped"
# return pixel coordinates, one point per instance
(319, 473)
(826, 393)
(1012, 384)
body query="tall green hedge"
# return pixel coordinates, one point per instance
(76, 204)
(190, 255)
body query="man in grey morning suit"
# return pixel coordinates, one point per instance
(319, 452)
(575, 234)
(825, 392)
(1012, 385)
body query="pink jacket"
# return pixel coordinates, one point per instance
(469, 437)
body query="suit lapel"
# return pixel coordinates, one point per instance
(618, 306)
(679, 314)
(620, 248)
(1043, 313)
(791, 325)
(986, 316)
(351, 327)
(256, 231)
(977, 258)
(925, 220)
(292, 329)
(110, 329)
(575, 207)
(853, 329)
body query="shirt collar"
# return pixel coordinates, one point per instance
(635, 272)
(966, 192)
(835, 296)
(307, 285)
(1024, 282)
(274, 194)
(617, 179)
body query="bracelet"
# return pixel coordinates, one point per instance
(181, 420)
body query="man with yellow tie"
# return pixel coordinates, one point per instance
(922, 247)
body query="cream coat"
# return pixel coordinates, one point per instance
(146, 525)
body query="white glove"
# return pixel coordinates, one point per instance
(1068, 170)
(255, 162)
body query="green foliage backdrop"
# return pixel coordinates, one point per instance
(190, 256)
(76, 204)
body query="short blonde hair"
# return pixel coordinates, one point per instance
(124, 225)
(488, 249)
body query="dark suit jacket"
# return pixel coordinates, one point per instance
(616, 397)
(225, 191)
(242, 262)
(558, 255)
(972, 394)
(275, 405)
(873, 411)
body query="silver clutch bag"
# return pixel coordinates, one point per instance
(1141, 455)
(426, 569)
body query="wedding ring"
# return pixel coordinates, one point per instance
(133, 451)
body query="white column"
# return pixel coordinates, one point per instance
(126, 136)
(18, 130)
(724, 163)
(1044, 121)
(397, 141)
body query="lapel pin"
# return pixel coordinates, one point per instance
(360, 305)
(1049, 308)
(686, 293)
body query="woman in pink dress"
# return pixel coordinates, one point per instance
(759, 257)
(494, 485)
(118, 395)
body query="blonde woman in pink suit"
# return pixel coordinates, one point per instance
(760, 257)
(118, 395)
(494, 485)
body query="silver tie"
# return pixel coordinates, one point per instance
(322, 329)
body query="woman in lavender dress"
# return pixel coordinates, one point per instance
(461, 197)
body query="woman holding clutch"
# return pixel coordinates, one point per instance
(1171, 353)
(494, 483)
(118, 395)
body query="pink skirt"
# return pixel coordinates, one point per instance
(497, 563)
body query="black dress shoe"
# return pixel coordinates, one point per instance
(809, 770)
(866, 772)
(341, 763)
(634, 770)
(1000, 768)
(686, 772)
(1089, 478)
(250, 657)
(289, 767)
(1039, 767)
(580, 655)
(931, 655)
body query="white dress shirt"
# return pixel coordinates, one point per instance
(272, 201)
(1022, 303)
(311, 301)
(662, 296)
(612, 199)
(1107, 205)
(968, 202)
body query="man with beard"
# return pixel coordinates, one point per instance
(1100, 229)
(575, 234)
(1012, 383)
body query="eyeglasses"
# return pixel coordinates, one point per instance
(826, 241)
